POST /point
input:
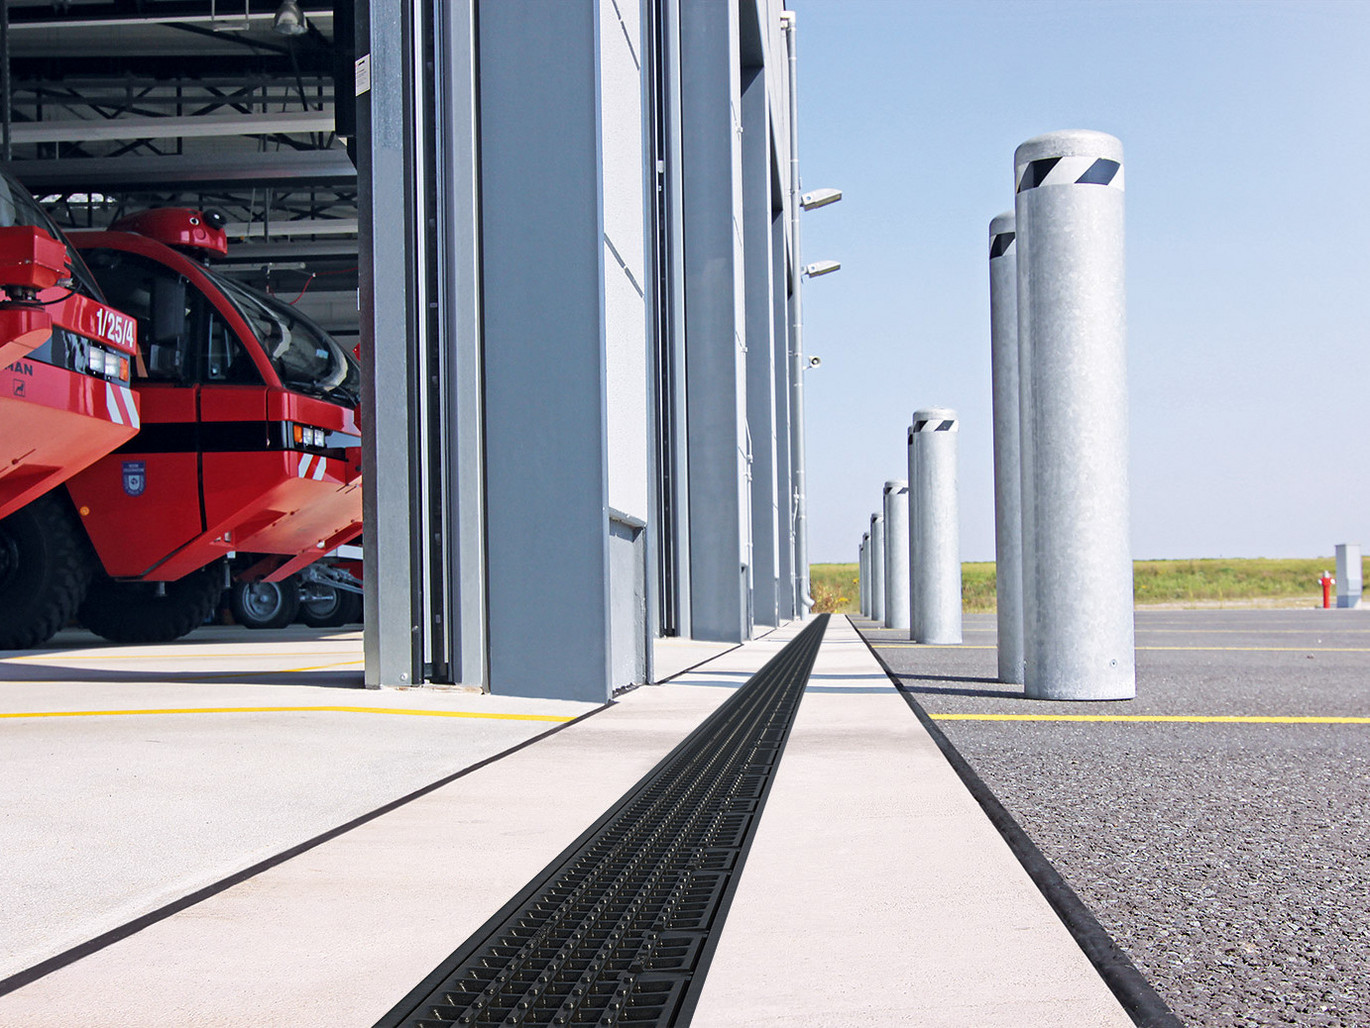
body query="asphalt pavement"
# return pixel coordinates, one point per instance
(1230, 859)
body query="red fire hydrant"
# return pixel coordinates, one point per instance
(1327, 581)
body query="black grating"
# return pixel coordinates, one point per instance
(619, 929)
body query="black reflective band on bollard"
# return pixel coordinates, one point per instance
(620, 928)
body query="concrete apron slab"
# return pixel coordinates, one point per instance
(878, 893)
(135, 776)
(338, 934)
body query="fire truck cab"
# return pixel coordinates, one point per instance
(248, 455)
(66, 360)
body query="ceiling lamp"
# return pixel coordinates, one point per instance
(289, 20)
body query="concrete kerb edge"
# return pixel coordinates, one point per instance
(1136, 995)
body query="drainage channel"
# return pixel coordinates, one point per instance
(619, 929)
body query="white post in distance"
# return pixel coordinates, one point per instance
(1008, 482)
(897, 555)
(934, 531)
(1072, 350)
(877, 565)
(1349, 575)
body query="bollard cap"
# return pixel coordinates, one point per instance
(1002, 233)
(1073, 157)
(1069, 143)
(934, 419)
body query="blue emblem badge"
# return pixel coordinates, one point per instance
(135, 477)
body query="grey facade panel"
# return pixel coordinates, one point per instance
(709, 107)
(546, 463)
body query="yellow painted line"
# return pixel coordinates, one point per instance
(240, 673)
(1267, 649)
(277, 710)
(928, 646)
(1256, 631)
(57, 656)
(1188, 718)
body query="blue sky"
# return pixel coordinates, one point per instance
(1246, 129)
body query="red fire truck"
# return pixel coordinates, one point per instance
(247, 464)
(65, 364)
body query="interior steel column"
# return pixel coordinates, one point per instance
(543, 231)
(388, 297)
(671, 514)
(456, 510)
(419, 294)
(715, 361)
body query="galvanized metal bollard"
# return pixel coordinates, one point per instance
(1349, 575)
(1008, 482)
(1071, 335)
(934, 531)
(864, 574)
(877, 562)
(897, 554)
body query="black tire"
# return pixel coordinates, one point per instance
(333, 610)
(264, 604)
(132, 612)
(45, 570)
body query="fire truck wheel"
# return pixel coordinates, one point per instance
(132, 612)
(264, 604)
(330, 608)
(45, 570)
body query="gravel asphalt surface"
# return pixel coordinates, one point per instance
(1230, 860)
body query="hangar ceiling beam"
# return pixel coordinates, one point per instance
(134, 127)
(294, 167)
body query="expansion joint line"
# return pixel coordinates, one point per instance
(620, 928)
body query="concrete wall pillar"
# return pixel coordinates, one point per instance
(720, 498)
(934, 530)
(1008, 488)
(545, 350)
(897, 555)
(1071, 329)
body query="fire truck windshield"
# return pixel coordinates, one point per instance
(18, 207)
(306, 357)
